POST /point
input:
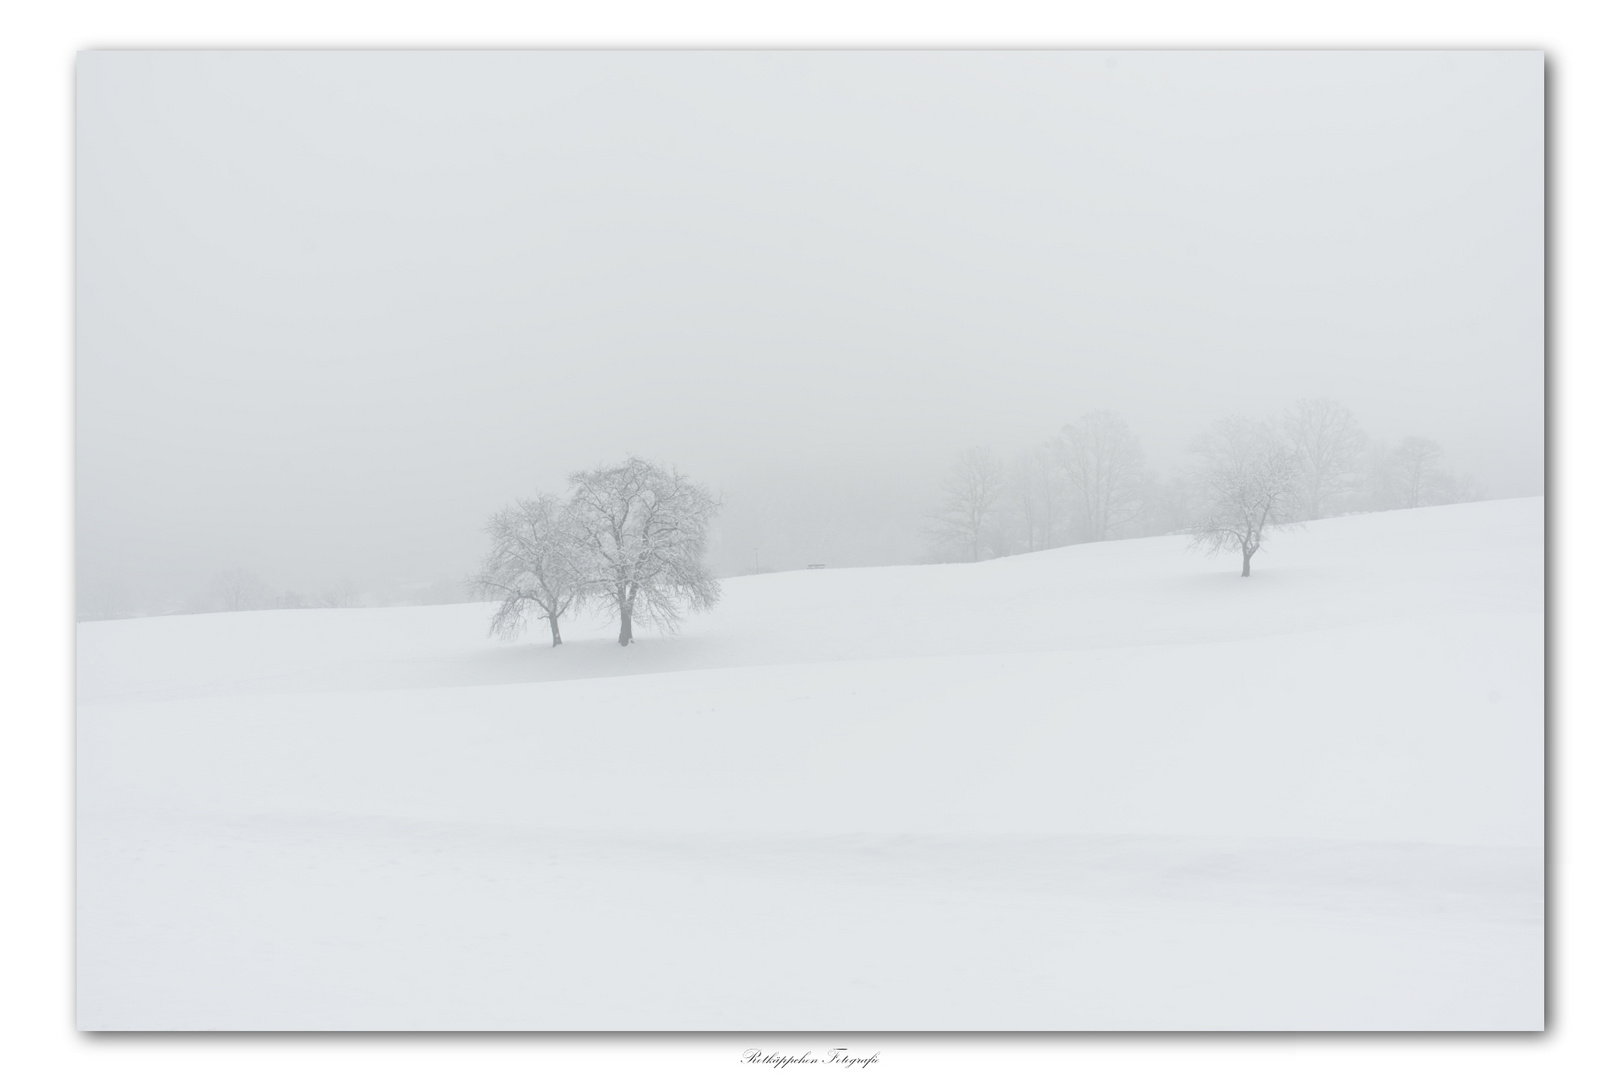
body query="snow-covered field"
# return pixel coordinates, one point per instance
(1109, 786)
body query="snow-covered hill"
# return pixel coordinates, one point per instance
(1103, 786)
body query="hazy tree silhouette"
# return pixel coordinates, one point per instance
(1247, 486)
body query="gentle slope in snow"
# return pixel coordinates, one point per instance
(1104, 786)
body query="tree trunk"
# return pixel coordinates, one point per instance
(624, 624)
(1247, 554)
(557, 636)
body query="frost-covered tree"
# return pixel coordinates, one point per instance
(533, 566)
(964, 521)
(643, 531)
(1328, 444)
(1104, 464)
(1246, 486)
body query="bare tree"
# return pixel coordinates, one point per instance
(642, 534)
(1247, 486)
(1456, 488)
(1410, 475)
(1034, 484)
(342, 595)
(1327, 444)
(533, 565)
(1414, 475)
(1104, 464)
(973, 491)
(240, 590)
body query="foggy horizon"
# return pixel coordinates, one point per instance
(336, 308)
(1208, 385)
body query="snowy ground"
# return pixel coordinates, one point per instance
(1111, 786)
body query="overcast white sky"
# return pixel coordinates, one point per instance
(334, 308)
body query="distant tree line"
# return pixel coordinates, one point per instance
(240, 589)
(1091, 482)
(627, 541)
(243, 590)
